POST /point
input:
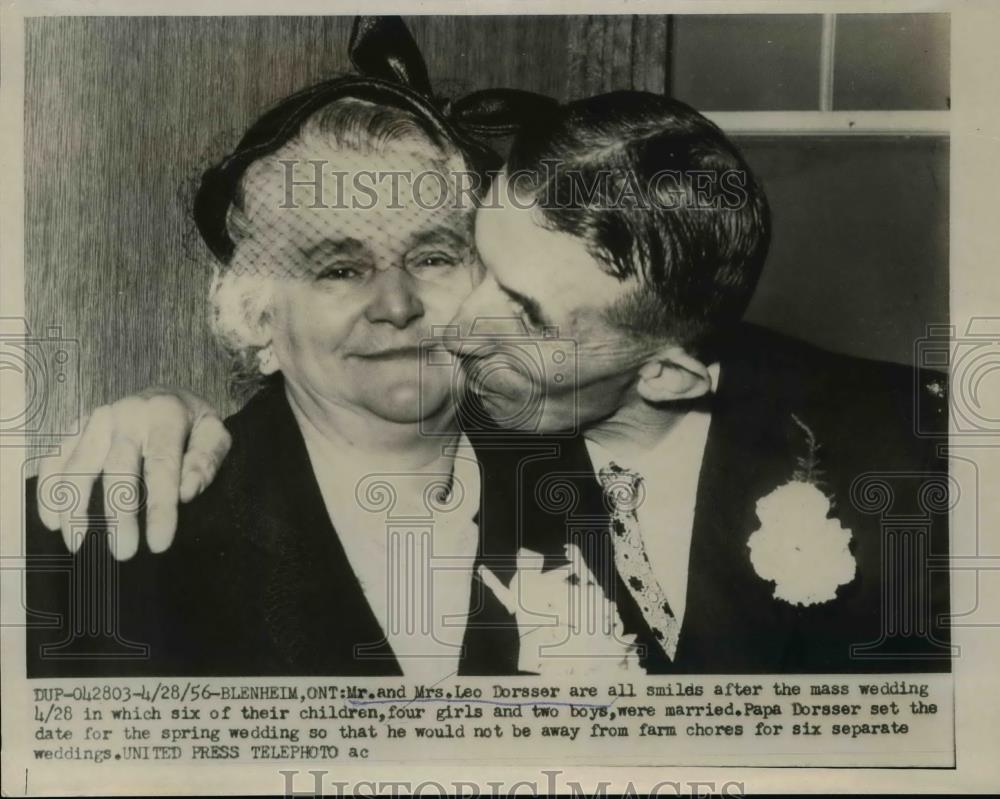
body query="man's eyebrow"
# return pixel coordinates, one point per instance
(531, 307)
(328, 247)
(440, 232)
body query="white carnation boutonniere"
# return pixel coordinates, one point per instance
(798, 547)
(566, 625)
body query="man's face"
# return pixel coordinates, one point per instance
(548, 285)
(360, 288)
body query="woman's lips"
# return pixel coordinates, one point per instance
(395, 353)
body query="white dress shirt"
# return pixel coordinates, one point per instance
(670, 471)
(412, 555)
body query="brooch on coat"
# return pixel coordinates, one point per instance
(798, 547)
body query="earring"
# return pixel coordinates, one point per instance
(267, 361)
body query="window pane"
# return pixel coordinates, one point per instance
(892, 62)
(746, 62)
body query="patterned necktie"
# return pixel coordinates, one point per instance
(624, 492)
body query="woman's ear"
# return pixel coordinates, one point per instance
(267, 355)
(672, 374)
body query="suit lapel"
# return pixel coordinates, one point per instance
(732, 622)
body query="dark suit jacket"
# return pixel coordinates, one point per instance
(888, 485)
(257, 582)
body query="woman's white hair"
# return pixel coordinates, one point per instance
(242, 289)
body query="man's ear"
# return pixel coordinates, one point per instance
(672, 374)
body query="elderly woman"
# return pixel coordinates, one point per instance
(341, 535)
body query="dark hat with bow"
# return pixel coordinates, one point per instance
(391, 72)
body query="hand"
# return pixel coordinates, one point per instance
(150, 428)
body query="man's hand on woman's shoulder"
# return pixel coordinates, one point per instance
(169, 438)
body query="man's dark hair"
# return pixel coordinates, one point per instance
(657, 191)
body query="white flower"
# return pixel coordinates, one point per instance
(803, 552)
(566, 624)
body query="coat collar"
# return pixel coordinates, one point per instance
(312, 603)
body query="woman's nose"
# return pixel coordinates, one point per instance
(395, 300)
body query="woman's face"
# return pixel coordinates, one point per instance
(366, 268)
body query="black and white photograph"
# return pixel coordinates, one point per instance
(449, 375)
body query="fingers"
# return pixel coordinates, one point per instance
(78, 472)
(162, 468)
(48, 467)
(208, 446)
(140, 434)
(122, 483)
